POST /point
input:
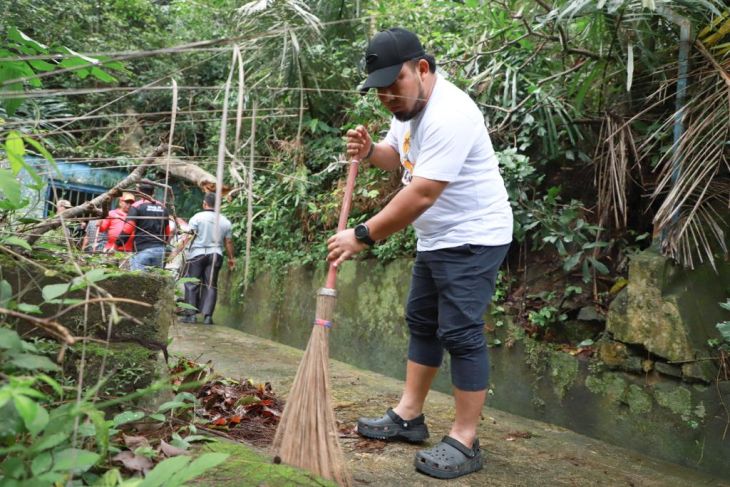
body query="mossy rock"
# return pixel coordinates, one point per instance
(247, 467)
(147, 322)
(563, 372)
(127, 366)
(154, 289)
(671, 311)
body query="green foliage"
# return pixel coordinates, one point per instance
(545, 220)
(723, 327)
(21, 355)
(48, 436)
(17, 74)
(36, 434)
(46, 440)
(546, 317)
(16, 147)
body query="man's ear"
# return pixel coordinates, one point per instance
(423, 67)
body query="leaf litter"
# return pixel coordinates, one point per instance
(244, 410)
(239, 410)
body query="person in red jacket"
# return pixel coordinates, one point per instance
(114, 223)
(149, 221)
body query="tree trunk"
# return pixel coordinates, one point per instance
(190, 172)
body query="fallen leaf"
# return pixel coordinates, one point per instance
(344, 405)
(370, 446)
(132, 462)
(349, 431)
(134, 442)
(171, 451)
(246, 400)
(517, 435)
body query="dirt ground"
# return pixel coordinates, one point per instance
(518, 451)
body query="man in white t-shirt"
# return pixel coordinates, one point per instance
(205, 258)
(455, 198)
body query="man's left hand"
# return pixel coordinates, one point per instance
(342, 246)
(231, 263)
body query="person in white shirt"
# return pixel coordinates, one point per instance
(205, 259)
(455, 197)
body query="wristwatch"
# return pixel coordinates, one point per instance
(362, 233)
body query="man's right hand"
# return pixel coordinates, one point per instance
(358, 142)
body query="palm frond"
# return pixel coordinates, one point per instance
(614, 153)
(693, 175)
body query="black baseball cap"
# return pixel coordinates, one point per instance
(385, 55)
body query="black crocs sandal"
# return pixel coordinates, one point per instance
(449, 459)
(393, 427)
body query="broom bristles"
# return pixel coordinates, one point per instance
(307, 436)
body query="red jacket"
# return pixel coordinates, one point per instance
(113, 225)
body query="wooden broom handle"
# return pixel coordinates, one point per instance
(344, 215)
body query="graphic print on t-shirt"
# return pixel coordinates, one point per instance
(405, 159)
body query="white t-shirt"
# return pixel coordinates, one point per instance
(203, 224)
(448, 141)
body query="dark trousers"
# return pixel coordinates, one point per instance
(450, 291)
(203, 294)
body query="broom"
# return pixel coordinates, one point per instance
(307, 436)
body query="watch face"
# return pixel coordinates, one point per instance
(361, 231)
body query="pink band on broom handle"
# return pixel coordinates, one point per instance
(344, 215)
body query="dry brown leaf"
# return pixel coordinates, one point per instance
(171, 451)
(515, 435)
(134, 462)
(134, 442)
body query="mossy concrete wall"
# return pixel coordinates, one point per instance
(132, 359)
(657, 415)
(652, 412)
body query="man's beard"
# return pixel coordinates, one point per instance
(417, 108)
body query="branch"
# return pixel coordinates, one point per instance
(192, 173)
(562, 41)
(52, 327)
(512, 110)
(90, 207)
(714, 62)
(543, 5)
(99, 300)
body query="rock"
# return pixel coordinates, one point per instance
(589, 313)
(611, 385)
(704, 370)
(634, 364)
(724, 388)
(651, 320)
(676, 399)
(613, 354)
(639, 402)
(563, 372)
(671, 311)
(668, 369)
(647, 365)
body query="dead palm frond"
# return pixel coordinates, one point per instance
(638, 8)
(614, 153)
(697, 232)
(693, 173)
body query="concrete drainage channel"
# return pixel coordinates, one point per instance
(518, 451)
(612, 395)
